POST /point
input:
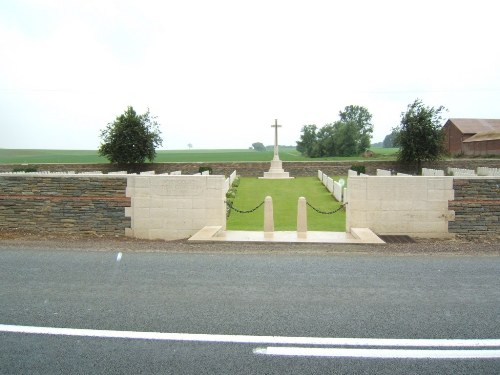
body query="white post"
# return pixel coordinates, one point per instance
(302, 218)
(268, 217)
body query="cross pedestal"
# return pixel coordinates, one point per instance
(276, 170)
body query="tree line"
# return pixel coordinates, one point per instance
(133, 138)
(350, 135)
(419, 135)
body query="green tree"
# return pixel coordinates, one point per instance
(259, 146)
(131, 138)
(419, 135)
(347, 139)
(326, 142)
(360, 127)
(351, 135)
(389, 140)
(308, 141)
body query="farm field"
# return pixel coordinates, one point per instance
(285, 193)
(31, 156)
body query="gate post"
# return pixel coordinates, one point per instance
(302, 218)
(268, 217)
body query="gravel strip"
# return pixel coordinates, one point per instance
(17, 240)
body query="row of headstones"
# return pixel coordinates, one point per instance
(461, 172)
(147, 173)
(229, 182)
(335, 187)
(385, 172)
(432, 172)
(481, 171)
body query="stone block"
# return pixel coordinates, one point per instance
(430, 227)
(440, 195)
(162, 213)
(141, 181)
(445, 183)
(141, 213)
(147, 223)
(215, 182)
(141, 202)
(394, 205)
(425, 205)
(357, 188)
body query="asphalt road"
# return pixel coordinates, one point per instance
(248, 295)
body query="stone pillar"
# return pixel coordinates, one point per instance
(268, 217)
(302, 218)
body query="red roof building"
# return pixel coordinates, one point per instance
(472, 136)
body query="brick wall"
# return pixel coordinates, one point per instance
(477, 208)
(67, 204)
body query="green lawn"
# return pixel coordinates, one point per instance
(285, 194)
(18, 156)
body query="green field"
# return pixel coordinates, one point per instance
(285, 194)
(19, 156)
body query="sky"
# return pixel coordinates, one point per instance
(218, 73)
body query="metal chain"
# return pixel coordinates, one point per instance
(326, 213)
(231, 207)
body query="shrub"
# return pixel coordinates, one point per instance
(26, 170)
(204, 168)
(359, 168)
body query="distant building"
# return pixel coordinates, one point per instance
(470, 136)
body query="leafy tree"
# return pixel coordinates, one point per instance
(389, 140)
(308, 140)
(348, 136)
(419, 136)
(326, 142)
(259, 146)
(131, 138)
(348, 140)
(358, 118)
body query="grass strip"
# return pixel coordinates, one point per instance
(285, 194)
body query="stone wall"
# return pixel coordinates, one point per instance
(64, 204)
(400, 205)
(174, 207)
(256, 169)
(477, 208)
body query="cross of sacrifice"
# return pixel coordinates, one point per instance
(276, 126)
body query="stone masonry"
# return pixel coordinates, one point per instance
(64, 204)
(477, 208)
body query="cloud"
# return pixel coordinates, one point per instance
(218, 73)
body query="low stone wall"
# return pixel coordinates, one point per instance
(477, 208)
(64, 204)
(171, 207)
(174, 207)
(256, 169)
(400, 205)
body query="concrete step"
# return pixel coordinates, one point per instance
(366, 235)
(206, 233)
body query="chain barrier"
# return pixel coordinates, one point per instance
(327, 213)
(231, 207)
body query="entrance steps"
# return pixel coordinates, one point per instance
(357, 236)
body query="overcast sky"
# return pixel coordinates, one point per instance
(217, 73)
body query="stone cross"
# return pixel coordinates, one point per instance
(276, 126)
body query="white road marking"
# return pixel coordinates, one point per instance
(379, 353)
(119, 256)
(249, 339)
